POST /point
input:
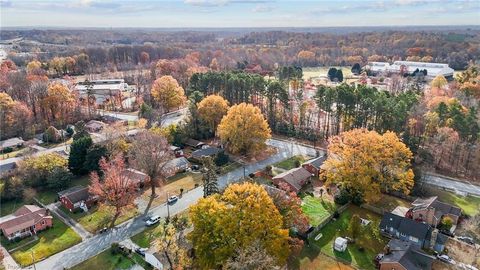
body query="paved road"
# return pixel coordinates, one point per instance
(451, 183)
(96, 244)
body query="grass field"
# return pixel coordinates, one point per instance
(369, 239)
(100, 216)
(312, 259)
(51, 241)
(317, 209)
(105, 261)
(389, 203)
(470, 205)
(145, 238)
(289, 163)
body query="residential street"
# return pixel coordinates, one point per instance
(451, 183)
(96, 244)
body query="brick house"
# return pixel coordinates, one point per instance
(314, 165)
(401, 255)
(77, 197)
(295, 178)
(136, 176)
(26, 221)
(431, 211)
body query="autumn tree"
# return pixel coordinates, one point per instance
(144, 58)
(168, 244)
(210, 185)
(58, 102)
(149, 153)
(244, 130)
(354, 227)
(254, 257)
(439, 81)
(167, 93)
(36, 169)
(115, 188)
(235, 220)
(368, 163)
(212, 109)
(290, 207)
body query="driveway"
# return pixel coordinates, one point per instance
(98, 243)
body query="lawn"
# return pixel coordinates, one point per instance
(8, 207)
(311, 259)
(100, 216)
(186, 180)
(369, 239)
(49, 196)
(105, 261)
(317, 209)
(16, 153)
(51, 241)
(289, 163)
(469, 204)
(389, 203)
(145, 238)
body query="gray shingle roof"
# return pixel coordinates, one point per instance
(316, 162)
(209, 151)
(407, 255)
(406, 226)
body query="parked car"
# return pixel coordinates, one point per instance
(172, 199)
(195, 167)
(141, 251)
(445, 258)
(448, 233)
(102, 230)
(152, 221)
(466, 239)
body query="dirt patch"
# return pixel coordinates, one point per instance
(462, 252)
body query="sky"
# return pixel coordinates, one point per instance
(236, 13)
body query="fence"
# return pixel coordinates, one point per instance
(317, 229)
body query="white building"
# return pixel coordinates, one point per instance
(340, 244)
(433, 69)
(103, 90)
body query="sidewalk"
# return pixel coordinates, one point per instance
(8, 261)
(69, 221)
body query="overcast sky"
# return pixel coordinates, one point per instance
(237, 13)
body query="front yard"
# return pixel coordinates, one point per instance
(51, 241)
(106, 261)
(100, 216)
(290, 163)
(145, 238)
(317, 209)
(361, 253)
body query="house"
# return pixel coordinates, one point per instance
(7, 166)
(176, 165)
(138, 177)
(420, 234)
(11, 144)
(95, 126)
(177, 151)
(154, 260)
(205, 152)
(313, 165)
(295, 178)
(194, 143)
(340, 244)
(431, 211)
(26, 221)
(402, 255)
(77, 197)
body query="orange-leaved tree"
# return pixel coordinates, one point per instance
(212, 109)
(167, 93)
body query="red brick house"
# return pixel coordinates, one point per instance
(138, 177)
(431, 211)
(26, 221)
(295, 178)
(77, 197)
(313, 165)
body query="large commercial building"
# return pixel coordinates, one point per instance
(105, 90)
(433, 69)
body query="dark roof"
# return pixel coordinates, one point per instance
(406, 226)
(295, 176)
(209, 151)
(8, 166)
(75, 194)
(316, 162)
(445, 208)
(194, 143)
(409, 256)
(442, 239)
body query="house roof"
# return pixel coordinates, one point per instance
(26, 216)
(11, 142)
(316, 162)
(180, 162)
(405, 226)
(194, 143)
(294, 176)
(95, 124)
(209, 151)
(76, 194)
(409, 256)
(135, 175)
(441, 208)
(8, 166)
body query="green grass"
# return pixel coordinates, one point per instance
(145, 238)
(369, 239)
(105, 261)
(468, 204)
(289, 163)
(51, 241)
(8, 207)
(389, 203)
(100, 216)
(312, 259)
(317, 209)
(49, 196)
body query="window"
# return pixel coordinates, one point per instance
(413, 239)
(43, 222)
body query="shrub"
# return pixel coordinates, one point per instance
(221, 159)
(35, 170)
(59, 178)
(51, 135)
(297, 163)
(343, 197)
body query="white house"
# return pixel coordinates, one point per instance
(340, 244)
(154, 260)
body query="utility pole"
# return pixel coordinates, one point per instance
(33, 259)
(168, 209)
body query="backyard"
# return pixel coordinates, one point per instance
(317, 209)
(312, 259)
(51, 241)
(100, 216)
(367, 245)
(187, 181)
(389, 203)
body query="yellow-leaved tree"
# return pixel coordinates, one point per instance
(439, 82)
(244, 130)
(212, 109)
(235, 220)
(368, 163)
(168, 93)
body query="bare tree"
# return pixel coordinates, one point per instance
(150, 153)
